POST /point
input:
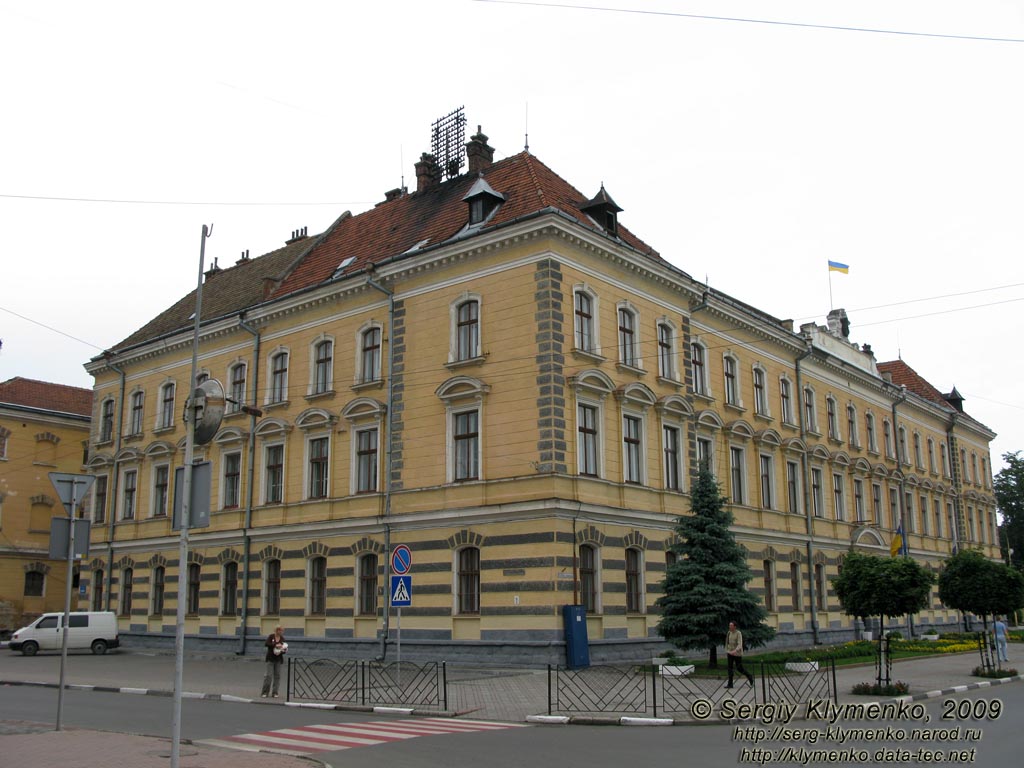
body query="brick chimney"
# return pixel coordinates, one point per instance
(428, 174)
(478, 153)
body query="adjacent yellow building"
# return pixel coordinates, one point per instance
(44, 428)
(494, 371)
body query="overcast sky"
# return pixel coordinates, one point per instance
(748, 153)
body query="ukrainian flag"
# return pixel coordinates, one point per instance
(836, 266)
(896, 545)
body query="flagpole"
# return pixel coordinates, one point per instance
(831, 304)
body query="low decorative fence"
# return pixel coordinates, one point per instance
(664, 690)
(368, 683)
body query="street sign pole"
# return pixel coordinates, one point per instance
(186, 517)
(70, 489)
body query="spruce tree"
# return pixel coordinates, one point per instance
(706, 588)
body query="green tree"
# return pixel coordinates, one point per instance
(882, 586)
(1009, 489)
(972, 583)
(706, 588)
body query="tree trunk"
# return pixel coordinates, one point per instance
(713, 657)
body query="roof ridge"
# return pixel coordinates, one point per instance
(528, 158)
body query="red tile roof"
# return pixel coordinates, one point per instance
(46, 396)
(437, 214)
(904, 375)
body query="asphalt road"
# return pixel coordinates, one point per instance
(999, 742)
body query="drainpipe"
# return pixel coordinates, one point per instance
(246, 538)
(959, 526)
(387, 465)
(902, 488)
(808, 511)
(116, 483)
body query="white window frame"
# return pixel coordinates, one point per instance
(701, 380)
(832, 416)
(675, 457)
(598, 408)
(134, 471)
(224, 479)
(136, 415)
(628, 345)
(839, 495)
(357, 432)
(809, 404)
(794, 487)
(859, 510)
(364, 376)
(165, 410)
(872, 431)
(589, 342)
(737, 475)
(168, 492)
(307, 463)
(759, 383)
(668, 353)
(277, 393)
(766, 479)
(853, 438)
(454, 412)
(265, 474)
(637, 418)
(708, 443)
(241, 397)
(786, 401)
(108, 420)
(731, 380)
(454, 329)
(817, 492)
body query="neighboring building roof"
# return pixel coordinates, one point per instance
(424, 219)
(43, 395)
(225, 292)
(904, 375)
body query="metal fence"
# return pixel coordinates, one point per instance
(368, 682)
(654, 690)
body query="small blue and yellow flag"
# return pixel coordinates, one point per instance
(836, 266)
(897, 545)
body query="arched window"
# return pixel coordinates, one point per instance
(588, 578)
(367, 599)
(323, 367)
(634, 581)
(369, 357)
(318, 586)
(272, 587)
(107, 421)
(586, 338)
(157, 594)
(666, 352)
(127, 577)
(627, 337)
(732, 383)
(698, 364)
(229, 589)
(467, 330)
(236, 387)
(760, 392)
(166, 420)
(97, 590)
(137, 403)
(786, 400)
(34, 581)
(278, 378)
(192, 589)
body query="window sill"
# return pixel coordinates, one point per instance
(133, 438)
(104, 443)
(327, 393)
(627, 368)
(704, 396)
(670, 382)
(163, 430)
(279, 404)
(735, 407)
(588, 355)
(359, 386)
(469, 362)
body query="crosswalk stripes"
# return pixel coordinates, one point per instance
(329, 737)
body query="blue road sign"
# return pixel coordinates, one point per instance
(401, 591)
(401, 560)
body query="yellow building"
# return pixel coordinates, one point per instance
(43, 428)
(492, 370)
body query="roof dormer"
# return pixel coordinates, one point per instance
(483, 201)
(603, 211)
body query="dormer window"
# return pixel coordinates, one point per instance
(483, 201)
(603, 211)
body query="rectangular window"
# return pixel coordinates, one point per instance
(318, 467)
(127, 577)
(937, 509)
(839, 495)
(627, 338)
(634, 582)
(795, 590)
(322, 367)
(318, 586)
(584, 322)
(666, 358)
(135, 425)
(820, 586)
(128, 499)
(237, 388)
(587, 439)
(159, 577)
(732, 390)
(869, 426)
(786, 401)
(469, 580)
(817, 493)
(192, 590)
(232, 479)
(229, 593)
(858, 500)
(768, 567)
(279, 378)
(767, 501)
(923, 506)
(631, 449)
(793, 486)
(99, 510)
(34, 584)
(97, 590)
(370, 359)
(107, 421)
(697, 363)
(161, 477)
(272, 585)
(588, 578)
(704, 454)
(909, 524)
(876, 503)
(467, 339)
(894, 508)
(366, 460)
(368, 585)
(945, 460)
(851, 426)
(760, 393)
(274, 474)
(833, 419)
(167, 406)
(736, 472)
(467, 445)
(811, 422)
(673, 470)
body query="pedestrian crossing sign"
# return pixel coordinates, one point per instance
(401, 591)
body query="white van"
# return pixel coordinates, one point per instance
(95, 630)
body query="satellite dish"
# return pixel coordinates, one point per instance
(208, 402)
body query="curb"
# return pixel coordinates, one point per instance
(960, 688)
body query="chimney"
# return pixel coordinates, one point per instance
(213, 270)
(297, 234)
(479, 154)
(244, 258)
(427, 173)
(394, 194)
(839, 324)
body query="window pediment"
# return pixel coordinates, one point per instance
(636, 394)
(160, 448)
(462, 388)
(709, 420)
(230, 435)
(674, 405)
(272, 428)
(768, 437)
(315, 418)
(593, 382)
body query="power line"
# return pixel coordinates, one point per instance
(51, 328)
(741, 20)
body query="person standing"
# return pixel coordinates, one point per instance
(999, 631)
(276, 648)
(734, 651)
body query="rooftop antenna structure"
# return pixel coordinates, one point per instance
(448, 142)
(526, 147)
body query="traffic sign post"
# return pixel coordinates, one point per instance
(72, 490)
(400, 596)
(401, 560)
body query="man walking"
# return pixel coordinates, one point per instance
(999, 631)
(734, 650)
